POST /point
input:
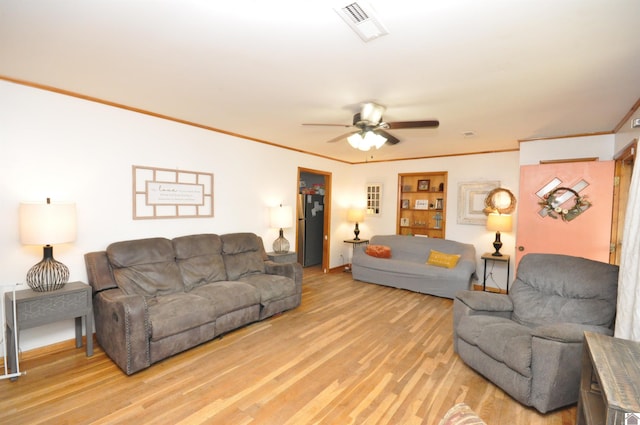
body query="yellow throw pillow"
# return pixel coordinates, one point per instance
(440, 259)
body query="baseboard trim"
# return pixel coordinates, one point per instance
(47, 350)
(478, 287)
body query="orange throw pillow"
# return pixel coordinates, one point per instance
(379, 251)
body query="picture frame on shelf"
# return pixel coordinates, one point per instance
(404, 204)
(422, 204)
(404, 222)
(424, 185)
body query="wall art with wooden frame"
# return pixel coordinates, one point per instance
(471, 197)
(169, 193)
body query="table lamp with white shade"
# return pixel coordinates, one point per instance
(47, 224)
(281, 217)
(355, 215)
(498, 223)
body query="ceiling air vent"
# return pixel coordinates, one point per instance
(362, 19)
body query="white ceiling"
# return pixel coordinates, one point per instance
(505, 69)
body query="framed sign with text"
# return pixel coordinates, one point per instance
(167, 193)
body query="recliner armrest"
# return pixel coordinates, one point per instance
(290, 270)
(568, 332)
(122, 328)
(472, 303)
(485, 301)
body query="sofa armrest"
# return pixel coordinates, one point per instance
(485, 301)
(470, 303)
(290, 270)
(99, 271)
(556, 351)
(122, 328)
(568, 332)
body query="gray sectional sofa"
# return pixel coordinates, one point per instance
(408, 269)
(156, 297)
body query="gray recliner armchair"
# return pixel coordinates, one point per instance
(529, 342)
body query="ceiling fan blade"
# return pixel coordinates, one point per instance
(392, 140)
(342, 136)
(413, 124)
(329, 125)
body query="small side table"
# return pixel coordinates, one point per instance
(488, 256)
(287, 257)
(354, 243)
(33, 309)
(609, 392)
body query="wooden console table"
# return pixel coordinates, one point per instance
(72, 301)
(610, 381)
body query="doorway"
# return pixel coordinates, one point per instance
(622, 180)
(313, 212)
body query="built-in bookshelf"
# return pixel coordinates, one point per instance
(422, 204)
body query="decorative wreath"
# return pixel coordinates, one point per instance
(490, 206)
(550, 203)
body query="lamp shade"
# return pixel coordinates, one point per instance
(281, 217)
(499, 222)
(355, 215)
(366, 140)
(46, 223)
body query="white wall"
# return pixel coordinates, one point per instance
(74, 150)
(627, 134)
(71, 149)
(503, 167)
(601, 147)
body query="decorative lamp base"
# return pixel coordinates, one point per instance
(356, 232)
(48, 274)
(497, 244)
(281, 245)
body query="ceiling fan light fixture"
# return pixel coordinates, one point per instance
(372, 113)
(355, 140)
(365, 140)
(374, 139)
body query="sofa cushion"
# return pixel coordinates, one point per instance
(440, 259)
(551, 288)
(243, 254)
(502, 339)
(271, 287)
(379, 251)
(199, 259)
(145, 267)
(228, 296)
(176, 313)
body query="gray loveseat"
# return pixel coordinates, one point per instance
(529, 342)
(408, 269)
(156, 297)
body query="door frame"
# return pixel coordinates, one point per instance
(326, 238)
(624, 163)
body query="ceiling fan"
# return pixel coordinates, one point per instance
(370, 128)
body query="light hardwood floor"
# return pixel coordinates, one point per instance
(352, 353)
